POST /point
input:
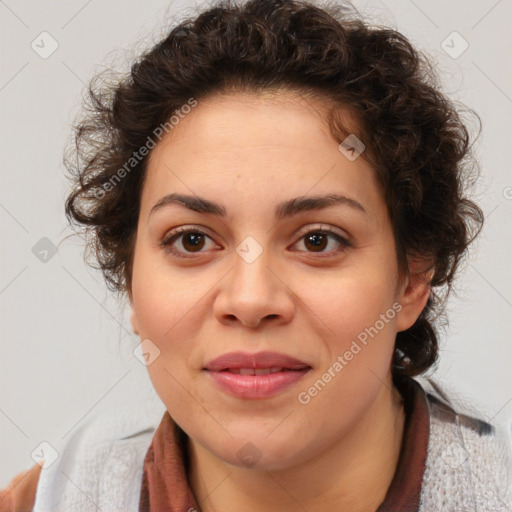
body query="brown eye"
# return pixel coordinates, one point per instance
(192, 241)
(185, 241)
(319, 239)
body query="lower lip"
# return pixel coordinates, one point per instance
(255, 386)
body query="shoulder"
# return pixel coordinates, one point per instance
(102, 460)
(20, 494)
(469, 457)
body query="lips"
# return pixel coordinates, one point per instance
(255, 376)
(260, 363)
(258, 371)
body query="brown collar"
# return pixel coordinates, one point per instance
(404, 491)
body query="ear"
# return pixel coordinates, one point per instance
(414, 293)
(134, 321)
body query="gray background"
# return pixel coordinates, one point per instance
(66, 345)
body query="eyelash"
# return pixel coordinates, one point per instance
(167, 242)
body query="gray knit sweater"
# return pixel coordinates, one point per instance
(468, 468)
(469, 461)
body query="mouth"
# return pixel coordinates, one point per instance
(255, 376)
(270, 362)
(264, 371)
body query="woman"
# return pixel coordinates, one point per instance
(278, 189)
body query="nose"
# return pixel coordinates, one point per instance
(254, 293)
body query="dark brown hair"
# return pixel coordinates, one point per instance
(414, 136)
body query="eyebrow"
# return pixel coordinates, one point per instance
(285, 209)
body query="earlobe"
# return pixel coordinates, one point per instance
(415, 294)
(134, 322)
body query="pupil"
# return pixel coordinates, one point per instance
(195, 240)
(318, 240)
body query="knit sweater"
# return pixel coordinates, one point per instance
(100, 466)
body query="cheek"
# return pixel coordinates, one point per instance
(167, 319)
(358, 332)
(357, 329)
(164, 299)
(167, 307)
(350, 303)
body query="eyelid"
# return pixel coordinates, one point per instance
(325, 228)
(185, 229)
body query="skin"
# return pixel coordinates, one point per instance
(249, 152)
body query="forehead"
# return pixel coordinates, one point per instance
(276, 144)
(238, 121)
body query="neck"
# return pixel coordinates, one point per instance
(353, 475)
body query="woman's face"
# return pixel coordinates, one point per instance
(317, 284)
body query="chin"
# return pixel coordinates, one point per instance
(260, 452)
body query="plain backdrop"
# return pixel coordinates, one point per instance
(66, 345)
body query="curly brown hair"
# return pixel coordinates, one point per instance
(414, 135)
